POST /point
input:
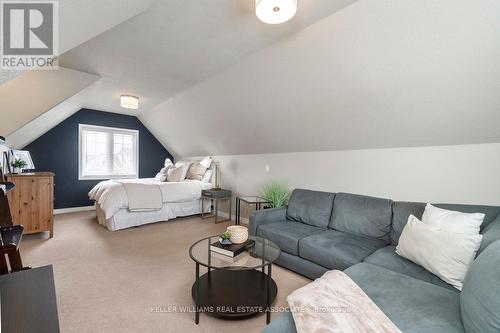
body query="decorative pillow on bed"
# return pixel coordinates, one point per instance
(178, 172)
(174, 174)
(198, 169)
(207, 178)
(162, 175)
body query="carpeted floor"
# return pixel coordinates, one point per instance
(108, 281)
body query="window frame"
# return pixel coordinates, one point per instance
(108, 130)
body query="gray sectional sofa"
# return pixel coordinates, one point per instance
(320, 231)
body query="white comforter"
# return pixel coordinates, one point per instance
(111, 195)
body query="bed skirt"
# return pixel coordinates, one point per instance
(170, 210)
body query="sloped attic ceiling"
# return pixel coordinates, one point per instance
(385, 73)
(26, 95)
(167, 49)
(80, 21)
(176, 44)
(34, 92)
(367, 74)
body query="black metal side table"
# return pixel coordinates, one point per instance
(234, 288)
(215, 196)
(250, 200)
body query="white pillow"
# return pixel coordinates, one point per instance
(206, 162)
(453, 221)
(162, 175)
(174, 174)
(443, 253)
(184, 165)
(207, 177)
(168, 163)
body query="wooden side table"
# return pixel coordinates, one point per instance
(215, 196)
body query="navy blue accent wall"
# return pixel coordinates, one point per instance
(57, 151)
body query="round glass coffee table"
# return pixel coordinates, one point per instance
(236, 287)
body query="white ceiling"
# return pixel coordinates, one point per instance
(32, 93)
(385, 73)
(80, 21)
(342, 74)
(176, 44)
(27, 96)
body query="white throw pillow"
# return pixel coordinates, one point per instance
(168, 163)
(207, 178)
(184, 165)
(175, 174)
(163, 174)
(206, 162)
(453, 221)
(443, 253)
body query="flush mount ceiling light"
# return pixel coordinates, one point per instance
(275, 11)
(129, 102)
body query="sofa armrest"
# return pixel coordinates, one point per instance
(264, 216)
(491, 233)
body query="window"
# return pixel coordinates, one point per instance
(106, 152)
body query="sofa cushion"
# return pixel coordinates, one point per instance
(362, 215)
(337, 250)
(491, 234)
(480, 297)
(401, 211)
(286, 234)
(387, 258)
(413, 305)
(310, 207)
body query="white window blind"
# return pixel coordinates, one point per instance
(106, 152)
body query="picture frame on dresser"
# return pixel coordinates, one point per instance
(25, 156)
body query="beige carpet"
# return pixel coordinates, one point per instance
(108, 281)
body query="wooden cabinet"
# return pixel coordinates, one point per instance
(32, 201)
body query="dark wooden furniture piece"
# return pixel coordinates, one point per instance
(231, 288)
(215, 196)
(28, 301)
(250, 200)
(32, 201)
(10, 235)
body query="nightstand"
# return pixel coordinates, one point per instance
(215, 196)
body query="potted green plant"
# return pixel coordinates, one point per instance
(224, 239)
(18, 165)
(276, 193)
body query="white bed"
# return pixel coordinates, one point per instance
(177, 199)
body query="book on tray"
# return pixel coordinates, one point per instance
(232, 250)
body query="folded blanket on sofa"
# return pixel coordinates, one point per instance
(142, 196)
(335, 303)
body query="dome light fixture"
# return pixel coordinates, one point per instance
(275, 11)
(129, 102)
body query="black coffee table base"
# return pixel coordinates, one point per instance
(233, 294)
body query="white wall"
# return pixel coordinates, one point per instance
(453, 174)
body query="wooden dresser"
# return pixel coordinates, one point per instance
(32, 201)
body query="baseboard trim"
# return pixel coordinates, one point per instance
(73, 210)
